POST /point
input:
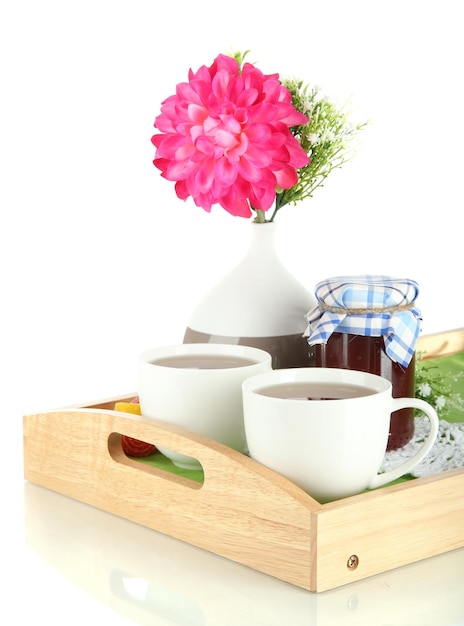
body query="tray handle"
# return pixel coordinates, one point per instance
(86, 443)
(224, 469)
(243, 511)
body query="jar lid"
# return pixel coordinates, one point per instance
(368, 305)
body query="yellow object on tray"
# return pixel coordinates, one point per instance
(128, 407)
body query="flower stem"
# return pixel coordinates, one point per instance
(260, 217)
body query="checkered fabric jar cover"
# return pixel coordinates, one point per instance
(368, 305)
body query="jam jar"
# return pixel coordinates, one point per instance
(371, 324)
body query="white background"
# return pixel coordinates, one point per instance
(99, 260)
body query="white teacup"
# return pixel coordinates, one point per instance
(199, 387)
(332, 445)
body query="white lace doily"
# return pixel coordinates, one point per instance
(447, 452)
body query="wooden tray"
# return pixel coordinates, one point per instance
(242, 510)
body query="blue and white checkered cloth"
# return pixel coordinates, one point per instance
(400, 328)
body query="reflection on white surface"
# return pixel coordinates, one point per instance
(156, 599)
(154, 579)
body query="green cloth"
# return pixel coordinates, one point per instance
(162, 462)
(452, 365)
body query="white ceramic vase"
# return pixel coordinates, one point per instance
(259, 304)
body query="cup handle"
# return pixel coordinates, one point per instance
(407, 466)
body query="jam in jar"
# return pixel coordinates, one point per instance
(370, 324)
(367, 354)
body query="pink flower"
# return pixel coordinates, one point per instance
(225, 138)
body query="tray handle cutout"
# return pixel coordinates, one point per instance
(193, 479)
